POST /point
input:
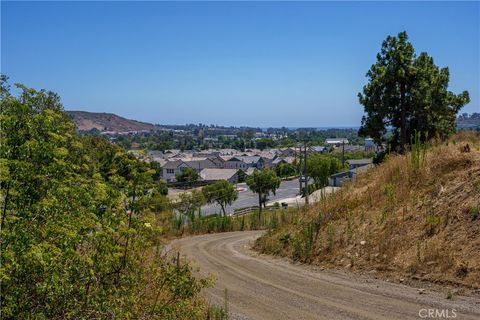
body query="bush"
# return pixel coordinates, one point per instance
(379, 157)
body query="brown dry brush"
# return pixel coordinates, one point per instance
(415, 214)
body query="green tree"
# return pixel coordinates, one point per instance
(161, 187)
(262, 182)
(158, 169)
(320, 167)
(158, 203)
(190, 202)
(265, 143)
(407, 93)
(188, 175)
(221, 192)
(286, 170)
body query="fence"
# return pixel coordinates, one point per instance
(242, 211)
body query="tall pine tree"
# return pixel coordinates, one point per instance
(407, 93)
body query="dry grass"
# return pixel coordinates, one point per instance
(402, 218)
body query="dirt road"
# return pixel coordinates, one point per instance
(262, 287)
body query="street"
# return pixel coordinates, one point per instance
(246, 198)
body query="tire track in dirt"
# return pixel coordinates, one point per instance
(262, 287)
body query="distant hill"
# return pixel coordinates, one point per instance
(465, 121)
(86, 121)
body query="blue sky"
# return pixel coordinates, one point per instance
(228, 63)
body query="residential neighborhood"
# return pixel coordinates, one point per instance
(224, 161)
(234, 166)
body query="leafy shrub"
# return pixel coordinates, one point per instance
(379, 157)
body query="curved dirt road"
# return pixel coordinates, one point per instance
(262, 287)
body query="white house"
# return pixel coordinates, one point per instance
(174, 166)
(171, 168)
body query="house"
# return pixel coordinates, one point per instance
(339, 179)
(218, 161)
(228, 152)
(171, 153)
(266, 154)
(336, 142)
(176, 165)
(207, 153)
(355, 163)
(279, 160)
(161, 161)
(253, 161)
(235, 163)
(287, 152)
(172, 168)
(250, 171)
(215, 174)
(317, 149)
(244, 162)
(201, 163)
(268, 163)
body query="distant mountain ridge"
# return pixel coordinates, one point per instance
(101, 121)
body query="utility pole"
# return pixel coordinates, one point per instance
(305, 172)
(299, 166)
(343, 152)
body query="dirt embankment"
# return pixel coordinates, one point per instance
(413, 218)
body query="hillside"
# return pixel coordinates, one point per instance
(413, 218)
(106, 122)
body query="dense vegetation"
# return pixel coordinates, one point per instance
(320, 167)
(79, 234)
